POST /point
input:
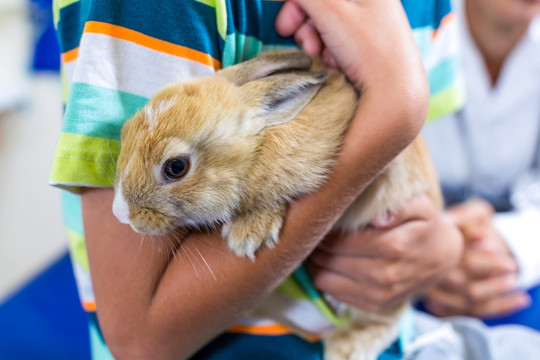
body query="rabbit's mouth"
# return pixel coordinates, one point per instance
(150, 221)
(143, 217)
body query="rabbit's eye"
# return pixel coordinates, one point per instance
(175, 169)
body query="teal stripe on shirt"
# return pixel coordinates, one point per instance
(443, 75)
(72, 213)
(98, 111)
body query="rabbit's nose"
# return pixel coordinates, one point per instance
(120, 206)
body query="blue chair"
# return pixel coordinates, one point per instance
(529, 317)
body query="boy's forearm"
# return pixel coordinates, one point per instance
(151, 303)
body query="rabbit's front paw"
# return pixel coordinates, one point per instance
(248, 233)
(363, 340)
(347, 348)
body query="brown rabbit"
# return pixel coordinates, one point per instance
(234, 148)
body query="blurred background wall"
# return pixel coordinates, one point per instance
(40, 313)
(31, 230)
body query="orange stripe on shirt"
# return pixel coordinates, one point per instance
(151, 42)
(268, 330)
(445, 20)
(70, 55)
(89, 306)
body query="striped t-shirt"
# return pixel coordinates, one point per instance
(118, 54)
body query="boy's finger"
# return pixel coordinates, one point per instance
(289, 19)
(455, 281)
(472, 212)
(448, 301)
(368, 242)
(308, 39)
(415, 208)
(367, 270)
(441, 310)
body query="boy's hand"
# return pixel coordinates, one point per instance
(364, 38)
(383, 266)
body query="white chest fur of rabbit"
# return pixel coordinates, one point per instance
(236, 147)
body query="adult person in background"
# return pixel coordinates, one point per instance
(483, 153)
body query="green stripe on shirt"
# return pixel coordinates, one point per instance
(447, 101)
(238, 48)
(82, 160)
(57, 5)
(443, 75)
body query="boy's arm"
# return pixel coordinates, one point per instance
(152, 304)
(376, 268)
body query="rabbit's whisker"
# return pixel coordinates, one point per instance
(184, 249)
(207, 244)
(171, 249)
(206, 263)
(141, 244)
(193, 254)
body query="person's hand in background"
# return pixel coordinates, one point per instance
(384, 265)
(485, 283)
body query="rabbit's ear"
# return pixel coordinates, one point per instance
(266, 64)
(277, 99)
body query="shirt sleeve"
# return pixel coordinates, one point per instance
(521, 230)
(115, 56)
(440, 52)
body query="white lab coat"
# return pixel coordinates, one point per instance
(488, 146)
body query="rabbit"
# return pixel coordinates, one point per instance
(234, 148)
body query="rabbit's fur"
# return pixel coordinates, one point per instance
(250, 139)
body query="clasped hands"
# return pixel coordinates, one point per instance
(459, 261)
(485, 282)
